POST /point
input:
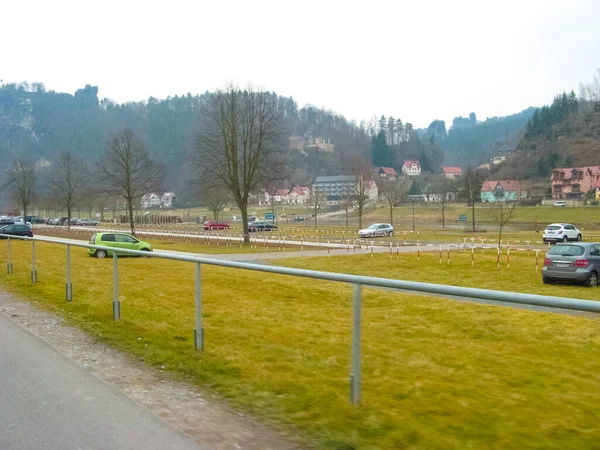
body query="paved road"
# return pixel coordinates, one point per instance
(48, 402)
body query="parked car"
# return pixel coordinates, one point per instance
(261, 226)
(87, 222)
(215, 225)
(117, 240)
(16, 229)
(377, 229)
(560, 203)
(34, 219)
(54, 221)
(6, 221)
(573, 262)
(564, 232)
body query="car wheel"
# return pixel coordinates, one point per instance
(390, 233)
(546, 280)
(579, 237)
(145, 250)
(100, 254)
(592, 280)
(565, 239)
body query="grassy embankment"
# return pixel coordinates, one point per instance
(436, 373)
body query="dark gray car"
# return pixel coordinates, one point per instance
(573, 262)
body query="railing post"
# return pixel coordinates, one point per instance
(116, 302)
(69, 286)
(9, 266)
(355, 375)
(33, 269)
(199, 331)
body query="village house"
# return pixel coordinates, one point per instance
(298, 195)
(153, 200)
(150, 200)
(574, 182)
(411, 168)
(168, 200)
(502, 191)
(452, 172)
(501, 154)
(387, 173)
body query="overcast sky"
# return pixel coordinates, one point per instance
(417, 60)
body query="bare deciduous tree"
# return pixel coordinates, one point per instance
(501, 212)
(362, 173)
(393, 192)
(21, 182)
(315, 201)
(126, 170)
(472, 182)
(67, 182)
(445, 191)
(215, 198)
(241, 143)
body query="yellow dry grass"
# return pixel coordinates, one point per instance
(437, 374)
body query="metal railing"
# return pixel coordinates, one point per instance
(357, 281)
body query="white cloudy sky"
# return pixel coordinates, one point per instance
(417, 60)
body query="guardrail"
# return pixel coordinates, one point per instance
(357, 280)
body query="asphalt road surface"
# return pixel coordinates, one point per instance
(48, 402)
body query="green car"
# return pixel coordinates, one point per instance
(119, 240)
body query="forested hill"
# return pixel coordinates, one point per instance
(471, 142)
(565, 133)
(39, 124)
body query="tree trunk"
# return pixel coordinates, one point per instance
(316, 220)
(360, 213)
(244, 211)
(346, 215)
(443, 216)
(473, 213)
(131, 221)
(69, 216)
(500, 237)
(24, 212)
(392, 215)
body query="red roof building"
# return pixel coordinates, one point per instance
(574, 182)
(452, 172)
(387, 173)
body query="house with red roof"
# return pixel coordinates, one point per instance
(387, 173)
(452, 172)
(298, 195)
(502, 191)
(574, 182)
(411, 168)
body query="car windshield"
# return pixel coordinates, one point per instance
(567, 250)
(372, 227)
(553, 227)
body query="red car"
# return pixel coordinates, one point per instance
(215, 225)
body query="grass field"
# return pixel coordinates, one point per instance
(424, 214)
(437, 374)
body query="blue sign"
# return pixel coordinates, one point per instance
(463, 218)
(270, 216)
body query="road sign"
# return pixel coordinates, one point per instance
(462, 218)
(270, 216)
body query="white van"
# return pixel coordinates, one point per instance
(560, 203)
